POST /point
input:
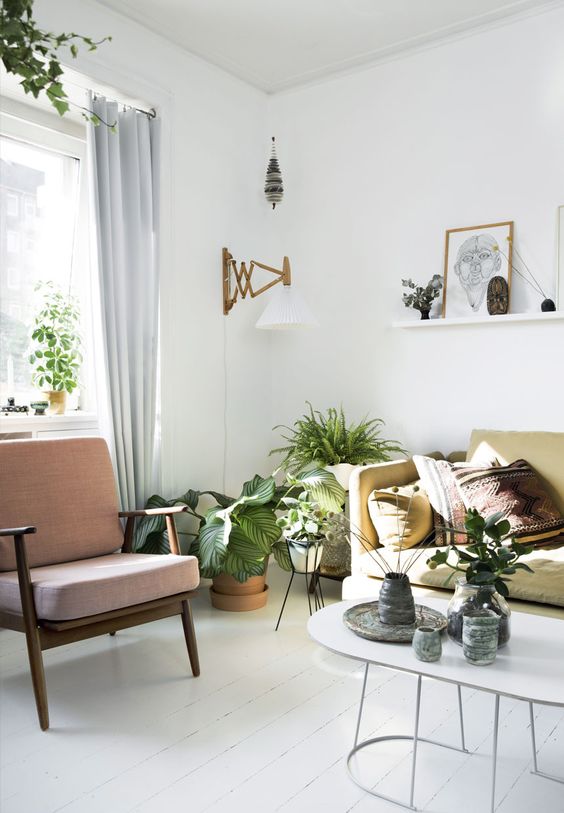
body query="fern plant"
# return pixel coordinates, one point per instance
(327, 439)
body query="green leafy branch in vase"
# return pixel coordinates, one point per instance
(490, 558)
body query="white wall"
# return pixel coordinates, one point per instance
(214, 157)
(377, 165)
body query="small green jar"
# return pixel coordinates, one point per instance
(427, 644)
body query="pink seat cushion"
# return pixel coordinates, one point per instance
(66, 488)
(91, 586)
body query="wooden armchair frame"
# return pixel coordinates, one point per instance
(42, 634)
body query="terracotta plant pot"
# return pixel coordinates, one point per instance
(57, 401)
(227, 593)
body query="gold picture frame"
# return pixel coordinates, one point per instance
(474, 255)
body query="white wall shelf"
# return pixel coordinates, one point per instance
(550, 316)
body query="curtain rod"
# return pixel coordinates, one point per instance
(151, 113)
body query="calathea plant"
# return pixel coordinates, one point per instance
(236, 536)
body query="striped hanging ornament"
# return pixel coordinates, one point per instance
(273, 188)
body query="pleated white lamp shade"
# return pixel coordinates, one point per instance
(286, 310)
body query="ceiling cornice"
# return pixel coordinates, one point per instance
(508, 14)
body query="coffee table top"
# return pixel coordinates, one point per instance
(529, 667)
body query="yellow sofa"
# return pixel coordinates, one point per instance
(542, 591)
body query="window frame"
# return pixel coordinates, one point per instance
(32, 126)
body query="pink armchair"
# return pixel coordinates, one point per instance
(69, 573)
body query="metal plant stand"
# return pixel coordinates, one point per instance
(313, 585)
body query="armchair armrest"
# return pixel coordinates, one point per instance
(154, 512)
(26, 529)
(167, 512)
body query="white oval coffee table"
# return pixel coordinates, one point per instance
(529, 668)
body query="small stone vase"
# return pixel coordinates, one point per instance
(395, 602)
(425, 313)
(479, 637)
(427, 644)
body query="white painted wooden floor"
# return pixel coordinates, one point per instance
(265, 728)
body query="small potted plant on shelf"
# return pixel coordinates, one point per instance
(236, 537)
(421, 298)
(328, 440)
(55, 355)
(486, 565)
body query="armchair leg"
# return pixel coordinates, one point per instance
(37, 676)
(190, 636)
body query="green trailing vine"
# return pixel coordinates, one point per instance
(31, 53)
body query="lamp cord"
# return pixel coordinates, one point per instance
(225, 394)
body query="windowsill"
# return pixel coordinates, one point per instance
(25, 423)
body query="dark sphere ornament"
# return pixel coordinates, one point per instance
(547, 305)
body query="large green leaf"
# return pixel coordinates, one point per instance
(323, 488)
(156, 542)
(242, 569)
(241, 545)
(257, 491)
(258, 523)
(212, 546)
(281, 555)
(190, 498)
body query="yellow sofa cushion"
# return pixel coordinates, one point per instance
(403, 513)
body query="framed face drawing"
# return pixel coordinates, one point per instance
(478, 270)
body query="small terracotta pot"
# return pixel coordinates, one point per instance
(57, 401)
(227, 593)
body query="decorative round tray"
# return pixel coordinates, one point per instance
(363, 619)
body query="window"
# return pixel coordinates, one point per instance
(12, 204)
(13, 279)
(12, 242)
(44, 239)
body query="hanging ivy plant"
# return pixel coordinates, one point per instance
(28, 51)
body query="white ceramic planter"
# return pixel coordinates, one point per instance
(342, 473)
(305, 556)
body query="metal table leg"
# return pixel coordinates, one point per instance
(415, 739)
(534, 747)
(494, 750)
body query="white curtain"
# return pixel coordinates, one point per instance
(125, 184)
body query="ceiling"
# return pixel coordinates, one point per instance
(277, 44)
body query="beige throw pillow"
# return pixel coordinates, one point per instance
(389, 514)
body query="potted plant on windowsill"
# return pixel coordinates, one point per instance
(328, 440)
(237, 536)
(55, 355)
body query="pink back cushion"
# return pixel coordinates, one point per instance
(66, 489)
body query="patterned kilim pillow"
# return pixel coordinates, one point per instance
(516, 491)
(449, 511)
